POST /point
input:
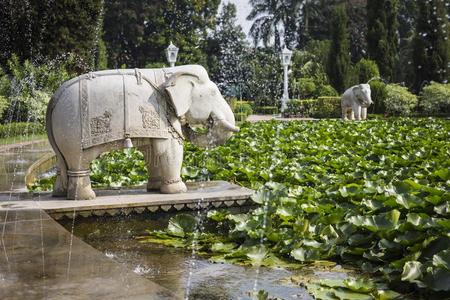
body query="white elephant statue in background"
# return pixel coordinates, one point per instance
(152, 108)
(355, 101)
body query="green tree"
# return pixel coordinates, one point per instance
(138, 31)
(47, 29)
(382, 35)
(339, 64)
(263, 84)
(431, 45)
(226, 48)
(315, 19)
(272, 18)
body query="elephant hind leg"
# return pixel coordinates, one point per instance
(60, 185)
(344, 113)
(79, 182)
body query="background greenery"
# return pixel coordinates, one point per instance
(336, 44)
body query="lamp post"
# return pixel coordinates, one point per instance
(171, 54)
(286, 56)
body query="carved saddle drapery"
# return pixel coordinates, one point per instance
(120, 104)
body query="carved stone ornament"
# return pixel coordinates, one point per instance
(101, 124)
(150, 118)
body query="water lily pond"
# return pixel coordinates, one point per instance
(118, 239)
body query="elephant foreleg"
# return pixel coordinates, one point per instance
(357, 112)
(153, 167)
(363, 113)
(170, 153)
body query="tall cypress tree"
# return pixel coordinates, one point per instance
(382, 35)
(339, 63)
(431, 45)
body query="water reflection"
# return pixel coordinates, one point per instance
(169, 267)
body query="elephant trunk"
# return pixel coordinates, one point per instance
(221, 127)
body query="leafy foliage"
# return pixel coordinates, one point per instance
(26, 88)
(374, 194)
(379, 95)
(20, 129)
(48, 29)
(435, 99)
(399, 100)
(366, 69)
(137, 32)
(119, 168)
(323, 107)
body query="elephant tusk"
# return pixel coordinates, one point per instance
(228, 125)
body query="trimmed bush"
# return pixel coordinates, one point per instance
(328, 107)
(399, 100)
(240, 117)
(366, 69)
(326, 90)
(244, 108)
(323, 107)
(435, 99)
(266, 110)
(379, 95)
(301, 108)
(18, 129)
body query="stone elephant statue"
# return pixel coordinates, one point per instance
(154, 109)
(355, 101)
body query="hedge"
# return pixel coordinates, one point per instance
(20, 128)
(322, 107)
(266, 110)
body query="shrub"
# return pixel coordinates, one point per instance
(266, 110)
(366, 69)
(323, 107)
(20, 129)
(304, 88)
(28, 87)
(435, 99)
(301, 108)
(326, 90)
(243, 107)
(240, 117)
(379, 94)
(3, 104)
(399, 100)
(328, 107)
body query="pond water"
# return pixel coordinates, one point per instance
(15, 161)
(170, 267)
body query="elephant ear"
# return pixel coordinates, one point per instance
(179, 87)
(357, 90)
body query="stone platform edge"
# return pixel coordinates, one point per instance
(214, 195)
